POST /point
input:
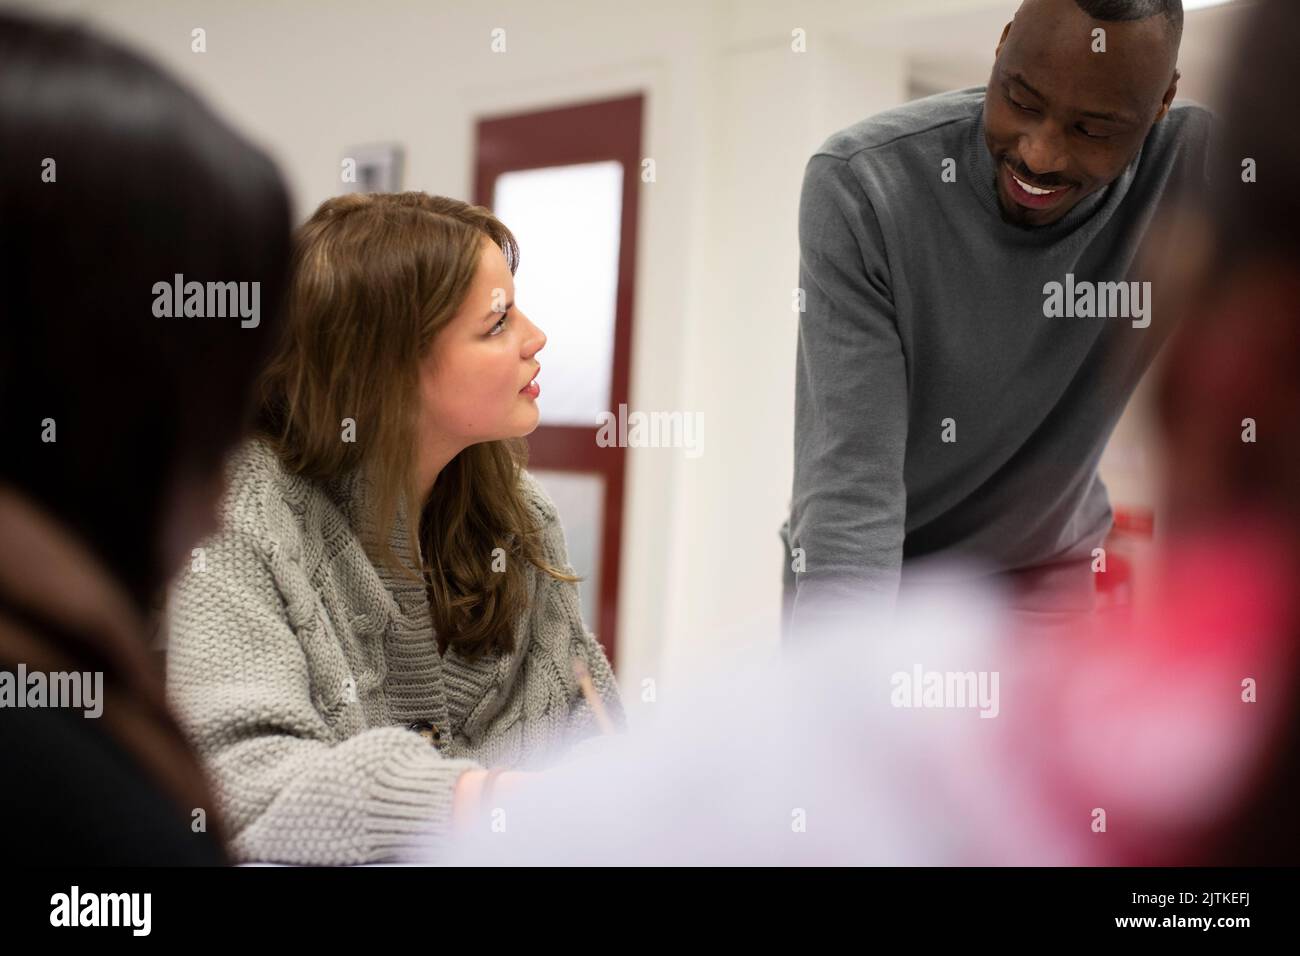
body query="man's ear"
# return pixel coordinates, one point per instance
(1002, 40)
(1168, 97)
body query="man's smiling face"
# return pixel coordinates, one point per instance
(1062, 121)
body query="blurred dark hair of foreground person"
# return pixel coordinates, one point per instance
(115, 421)
(1237, 357)
(1215, 667)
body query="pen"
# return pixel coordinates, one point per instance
(597, 706)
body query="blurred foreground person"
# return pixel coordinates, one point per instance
(122, 387)
(1167, 737)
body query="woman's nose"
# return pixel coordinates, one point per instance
(536, 340)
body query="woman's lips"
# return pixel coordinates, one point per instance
(1020, 192)
(532, 389)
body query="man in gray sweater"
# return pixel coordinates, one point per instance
(970, 334)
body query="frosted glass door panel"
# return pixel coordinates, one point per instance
(580, 500)
(567, 220)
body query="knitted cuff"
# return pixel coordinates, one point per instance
(408, 809)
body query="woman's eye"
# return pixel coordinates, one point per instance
(500, 326)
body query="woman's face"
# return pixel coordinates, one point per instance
(475, 377)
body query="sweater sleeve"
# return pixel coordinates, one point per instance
(849, 504)
(289, 789)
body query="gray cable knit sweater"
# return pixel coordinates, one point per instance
(296, 663)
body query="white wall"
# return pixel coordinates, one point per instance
(733, 114)
(771, 108)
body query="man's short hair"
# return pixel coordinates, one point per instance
(1120, 10)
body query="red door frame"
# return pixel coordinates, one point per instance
(585, 133)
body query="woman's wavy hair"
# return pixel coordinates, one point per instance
(375, 277)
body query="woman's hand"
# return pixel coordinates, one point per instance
(468, 793)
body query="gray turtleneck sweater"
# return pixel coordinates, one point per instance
(943, 407)
(298, 666)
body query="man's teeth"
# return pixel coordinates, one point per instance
(1032, 190)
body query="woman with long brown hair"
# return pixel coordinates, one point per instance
(389, 608)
